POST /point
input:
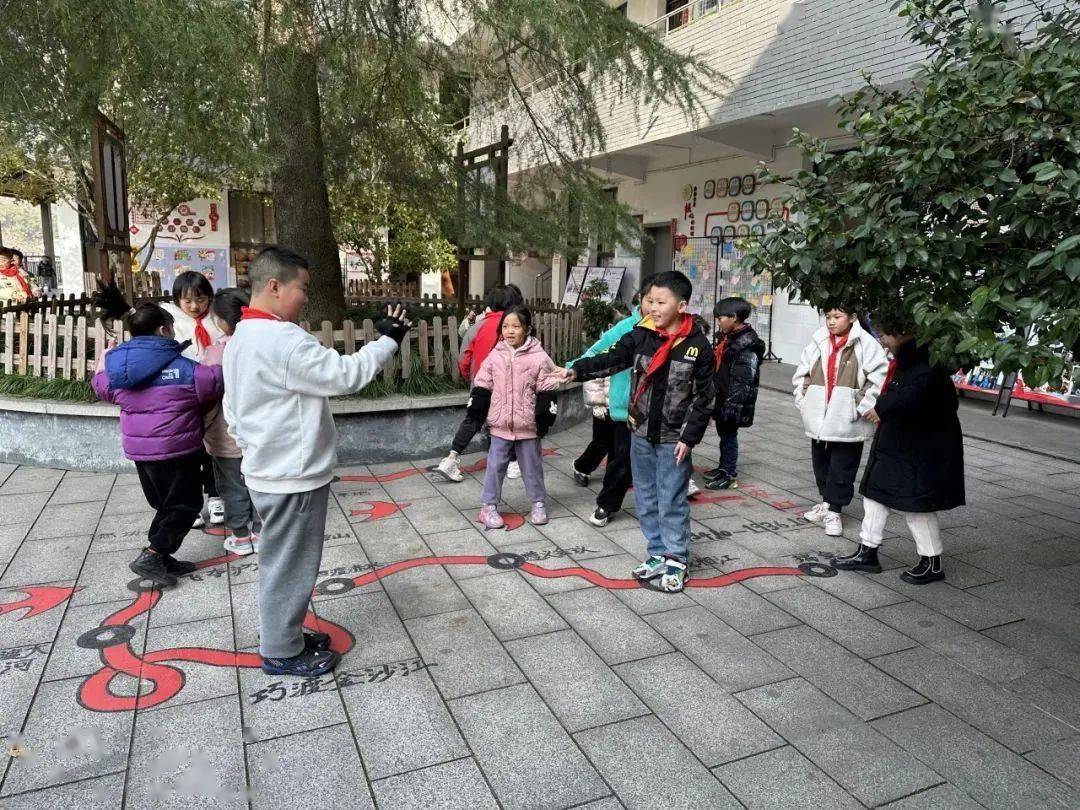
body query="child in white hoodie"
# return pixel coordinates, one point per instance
(278, 379)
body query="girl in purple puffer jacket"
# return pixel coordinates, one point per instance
(516, 372)
(162, 397)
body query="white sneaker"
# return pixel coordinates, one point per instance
(216, 507)
(834, 526)
(448, 468)
(692, 489)
(816, 514)
(514, 470)
(239, 545)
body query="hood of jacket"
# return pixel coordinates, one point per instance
(139, 361)
(821, 336)
(530, 345)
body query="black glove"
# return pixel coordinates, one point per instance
(392, 328)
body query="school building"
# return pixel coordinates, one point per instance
(691, 179)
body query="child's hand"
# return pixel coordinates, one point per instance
(682, 452)
(872, 417)
(566, 374)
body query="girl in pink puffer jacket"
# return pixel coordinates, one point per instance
(515, 370)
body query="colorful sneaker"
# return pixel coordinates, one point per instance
(600, 517)
(514, 470)
(675, 576)
(490, 517)
(450, 470)
(538, 516)
(692, 489)
(216, 508)
(816, 514)
(834, 526)
(650, 569)
(308, 664)
(724, 482)
(239, 545)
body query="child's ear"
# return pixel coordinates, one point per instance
(682, 306)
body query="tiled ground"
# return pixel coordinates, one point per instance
(476, 685)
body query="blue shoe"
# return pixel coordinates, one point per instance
(675, 576)
(308, 664)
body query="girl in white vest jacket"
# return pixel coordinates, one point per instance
(836, 385)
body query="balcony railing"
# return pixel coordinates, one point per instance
(675, 20)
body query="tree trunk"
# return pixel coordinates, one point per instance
(298, 177)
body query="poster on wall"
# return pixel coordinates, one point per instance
(734, 280)
(575, 280)
(171, 260)
(610, 276)
(697, 261)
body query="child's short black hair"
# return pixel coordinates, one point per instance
(675, 281)
(733, 307)
(275, 263)
(229, 302)
(147, 319)
(524, 315)
(514, 297)
(503, 296)
(842, 306)
(702, 324)
(191, 282)
(646, 285)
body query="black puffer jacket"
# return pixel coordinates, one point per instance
(916, 461)
(737, 378)
(677, 404)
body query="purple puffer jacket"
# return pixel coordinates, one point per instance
(162, 396)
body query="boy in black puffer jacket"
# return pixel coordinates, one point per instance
(916, 463)
(738, 373)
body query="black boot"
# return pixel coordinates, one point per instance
(927, 569)
(865, 559)
(151, 566)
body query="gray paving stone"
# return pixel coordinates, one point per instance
(275, 706)
(626, 752)
(642, 601)
(41, 561)
(65, 742)
(858, 591)
(512, 726)
(510, 606)
(378, 634)
(848, 626)
(26, 480)
(200, 680)
(1042, 642)
(25, 508)
(572, 532)
(796, 710)
(456, 785)
(19, 686)
(465, 656)
(431, 515)
(937, 798)
(1062, 760)
(614, 631)
(549, 585)
(742, 609)
(469, 542)
(421, 733)
(184, 755)
(1056, 694)
(275, 765)
(102, 793)
(83, 488)
(782, 779)
(425, 591)
(711, 723)
(987, 771)
(391, 540)
(69, 520)
(1003, 715)
(192, 601)
(127, 531)
(11, 537)
(858, 686)
(728, 657)
(579, 687)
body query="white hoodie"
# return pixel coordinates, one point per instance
(184, 327)
(277, 381)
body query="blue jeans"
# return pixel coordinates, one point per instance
(729, 448)
(660, 494)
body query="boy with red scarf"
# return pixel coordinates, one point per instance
(837, 385)
(671, 397)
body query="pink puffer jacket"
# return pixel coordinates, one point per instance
(514, 377)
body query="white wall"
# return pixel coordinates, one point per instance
(67, 242)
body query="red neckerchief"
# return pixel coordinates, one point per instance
(202, 337)
(13, 272)
(252, 314)
(889, 375)
(837, 343)
(661, 356)
(719, 354)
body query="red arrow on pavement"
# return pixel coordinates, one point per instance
(39, 599)
(377, 510)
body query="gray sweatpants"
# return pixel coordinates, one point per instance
(290, 552)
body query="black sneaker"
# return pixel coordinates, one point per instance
(927, 569)
(308, 664)
(316, 641)
(715, 472)
(581, 478)
(724, 482)
(865, 559)
(151, 566)
(600, 517)
(179, 568)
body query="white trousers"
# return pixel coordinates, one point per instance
(922, 525)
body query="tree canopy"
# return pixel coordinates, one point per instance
(957, 210)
